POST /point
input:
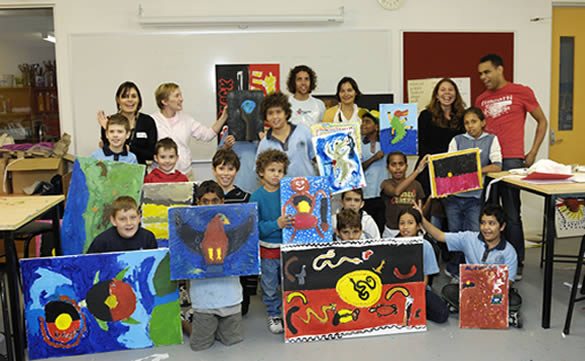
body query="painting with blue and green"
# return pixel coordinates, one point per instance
(399, 128)
(338, 160)
(308, 200)
(94, 186)
(214, 241)
(99, 302)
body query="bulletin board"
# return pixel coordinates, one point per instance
(454, 54)
(100, 62)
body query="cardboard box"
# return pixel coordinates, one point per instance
(27, 171)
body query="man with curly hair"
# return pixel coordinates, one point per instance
(306, 109)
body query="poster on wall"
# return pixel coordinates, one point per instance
(455, 172)
(398, 128)
(570, 217)
(353, 288)
(214, 241)
(157, 198)
(483, 296)
(230, 77)
(308, 199)
(94, 186)
(99, 302)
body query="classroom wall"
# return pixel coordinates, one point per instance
(532, 55)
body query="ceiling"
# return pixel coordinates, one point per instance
(26, 26)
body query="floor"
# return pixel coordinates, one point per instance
(439, 342)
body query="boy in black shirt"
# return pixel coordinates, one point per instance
(126, 233)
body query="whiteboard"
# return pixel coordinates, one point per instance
(100, 62)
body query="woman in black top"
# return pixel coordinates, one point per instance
(438, 124)
(143, 136)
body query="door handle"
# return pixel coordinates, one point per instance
(553, 139)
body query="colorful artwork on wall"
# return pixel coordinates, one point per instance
(94, 185)
(399, 128)
(483, 296)
(308, 199)
(570, 217)
(244, 121)
(214, 241)
(157, 198)
(354, 288)
(100, 302)
(455, 172)
(338, 160)
(230, 77)
(328, 128)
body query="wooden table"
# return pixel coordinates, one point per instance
(16, 212)
(550, 192)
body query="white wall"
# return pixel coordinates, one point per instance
(532, 55)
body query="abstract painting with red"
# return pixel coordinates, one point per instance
(353, 288)
(483, 296)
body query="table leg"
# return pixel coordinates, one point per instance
(14, 295)
(56, 213)
(549, 238)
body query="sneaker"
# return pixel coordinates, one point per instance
(184, 295)
(275, 325)
(514, 319)
(187, 315)
(519, 272)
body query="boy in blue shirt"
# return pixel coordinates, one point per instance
(216, 301)
(126, 233)
(484, 247)
(271, 166)
(117, 132)
(293, 140)
(463, 209)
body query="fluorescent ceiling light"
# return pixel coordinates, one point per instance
(239, 20)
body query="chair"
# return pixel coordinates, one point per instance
(6, 318)
(575, 287)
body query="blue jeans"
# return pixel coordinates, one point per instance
(462, 213)
(510, 197)
(269, 281)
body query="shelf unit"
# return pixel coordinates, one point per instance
(32, 108)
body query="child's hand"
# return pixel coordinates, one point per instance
(423, 163)
(230, 140)
(418, 206)
(379, 155)
(285, 221)
(261, 135)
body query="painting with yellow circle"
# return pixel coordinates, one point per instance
(455, 172)
(352, 288)
(99, 302)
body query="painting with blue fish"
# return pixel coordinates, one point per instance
(399, 128)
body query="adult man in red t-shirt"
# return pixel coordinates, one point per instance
(505, 105)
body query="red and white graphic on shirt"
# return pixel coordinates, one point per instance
(494, 108)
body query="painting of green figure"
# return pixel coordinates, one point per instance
(94, 185)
